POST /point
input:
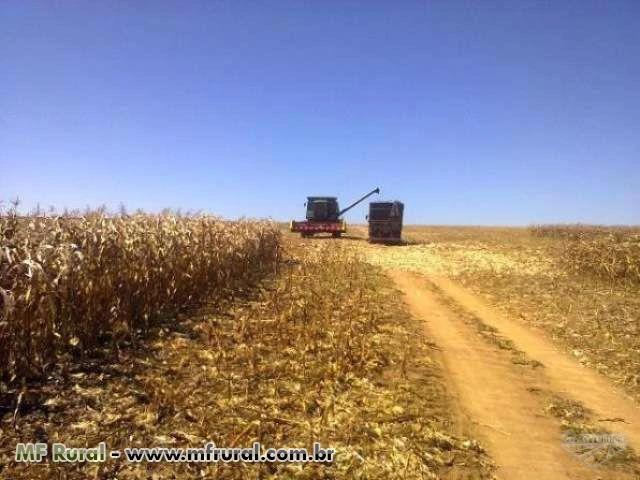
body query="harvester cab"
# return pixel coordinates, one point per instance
(322, 209)
(323, 216)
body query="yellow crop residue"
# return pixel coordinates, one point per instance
(451, 259)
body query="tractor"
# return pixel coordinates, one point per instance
(324, 216)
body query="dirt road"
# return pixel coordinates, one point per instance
(499, 400)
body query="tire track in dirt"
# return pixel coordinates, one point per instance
(564, 374)
(496, 395)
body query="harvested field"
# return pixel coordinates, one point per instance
(319, 348)
(579, 284)
(580, 291)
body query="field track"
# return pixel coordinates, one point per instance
(502, 401)
(562, 373)
(499, 398)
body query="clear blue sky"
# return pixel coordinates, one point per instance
(470, 112)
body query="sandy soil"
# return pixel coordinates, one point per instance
(498, 398)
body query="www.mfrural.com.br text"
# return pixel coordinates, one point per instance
(61, 453)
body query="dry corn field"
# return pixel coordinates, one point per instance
(70, 284)
(611, 254)
(459, 355)
(167, 331)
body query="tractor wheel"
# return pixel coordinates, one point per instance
(336, 234)
(306, 235)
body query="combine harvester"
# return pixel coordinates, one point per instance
(323, 216)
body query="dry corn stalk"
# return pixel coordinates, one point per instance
(70, 283)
